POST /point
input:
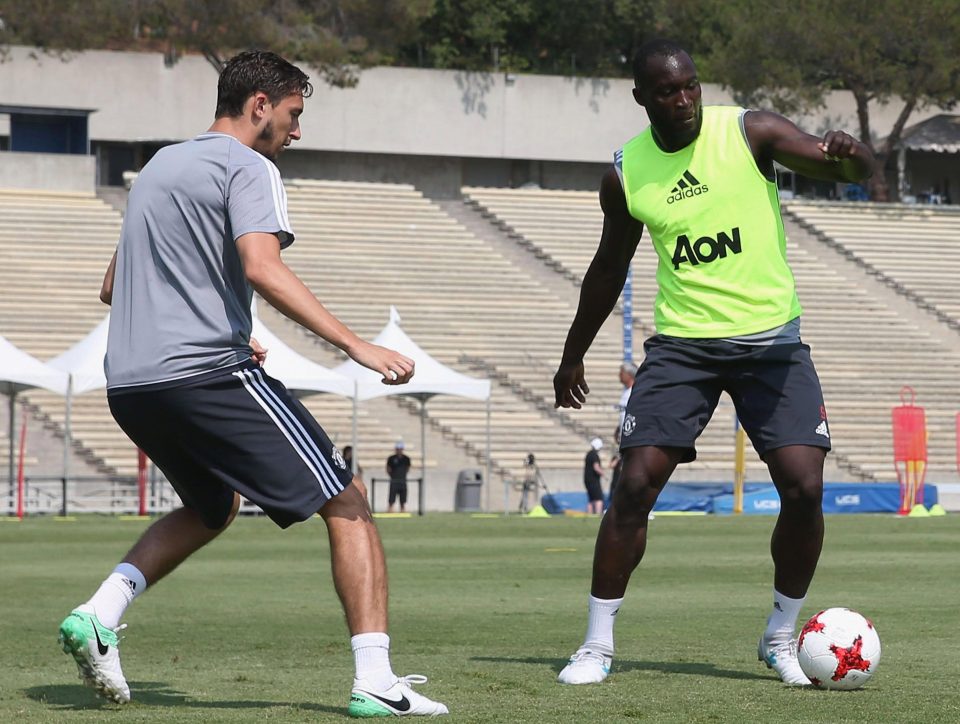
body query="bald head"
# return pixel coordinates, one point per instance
(660, 50)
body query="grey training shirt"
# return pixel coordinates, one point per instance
(181, 302)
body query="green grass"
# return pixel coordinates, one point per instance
(489, 609)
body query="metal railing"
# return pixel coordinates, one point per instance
(53, 495)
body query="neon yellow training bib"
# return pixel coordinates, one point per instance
(715, 224)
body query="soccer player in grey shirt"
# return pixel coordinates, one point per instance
(204, 227)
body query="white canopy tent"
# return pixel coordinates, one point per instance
(20, 371)
(296, 372)
(82, 366)
(302, 376)
(430, 378)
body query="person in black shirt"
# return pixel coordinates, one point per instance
(398, 465)
(592, 475)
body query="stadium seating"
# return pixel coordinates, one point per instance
(865, 351)
(363, 247)
(912, 248)
(366, 246)
(56, 247)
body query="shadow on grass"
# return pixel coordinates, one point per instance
(622, 665)
(70, 697)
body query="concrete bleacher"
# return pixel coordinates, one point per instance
(562, 229)
(56, 247)
(912, 248)
(363, 247)
(864, 350)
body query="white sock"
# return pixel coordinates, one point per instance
(371, 657)
(603, 614)
(116, 593)
(783, 618)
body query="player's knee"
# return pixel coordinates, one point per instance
(350, 503)
(358, 483)
(802, 494)
(634, 494)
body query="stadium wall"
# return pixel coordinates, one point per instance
(419, 125)
(440, 176)
(47, 171)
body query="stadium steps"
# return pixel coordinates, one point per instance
(451, 293)
(903, 346)
(558, 225)
(573, 222)
(56, 247)
(911, 249)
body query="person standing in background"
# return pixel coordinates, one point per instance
(398, 465)
(593, 477)
(628, 372)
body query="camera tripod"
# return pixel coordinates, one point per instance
(530, 486)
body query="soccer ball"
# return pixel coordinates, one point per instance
(838, 649)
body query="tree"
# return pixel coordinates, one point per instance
(335, 36)
(791, 54)
(569, 37)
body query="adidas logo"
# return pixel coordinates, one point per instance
(822, 430)
(686, 188)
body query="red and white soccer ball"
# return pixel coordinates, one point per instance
(838, 649)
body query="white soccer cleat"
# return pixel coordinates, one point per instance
(585, 667)
(399, 700)
(782, 658)
(94, 648)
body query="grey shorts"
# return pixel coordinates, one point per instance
(775, 390)
(234, 430)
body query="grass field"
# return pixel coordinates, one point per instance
(489, 609)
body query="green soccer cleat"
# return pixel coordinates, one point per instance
(398, 700)
(94, 648)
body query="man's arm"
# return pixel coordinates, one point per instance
(275, 282)
(601, 286)
(106, 289)
(837, 156)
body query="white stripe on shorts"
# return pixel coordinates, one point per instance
(294, 422)
(291, 428)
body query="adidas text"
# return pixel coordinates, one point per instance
(687, 193)
(687, 187)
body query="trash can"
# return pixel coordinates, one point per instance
(469, 485)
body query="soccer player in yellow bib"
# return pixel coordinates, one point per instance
(702, 181)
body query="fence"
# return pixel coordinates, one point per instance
(51, 495)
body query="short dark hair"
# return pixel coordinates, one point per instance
(656, 48)
(258, 70)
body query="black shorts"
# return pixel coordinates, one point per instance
(594, 490)
(234, 430)
(398, 489)
(775, 390)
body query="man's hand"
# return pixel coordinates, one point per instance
(259, 352)
(569, 386)
(837, 145)
(396, 368)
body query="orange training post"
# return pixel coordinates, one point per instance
(909, 450)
